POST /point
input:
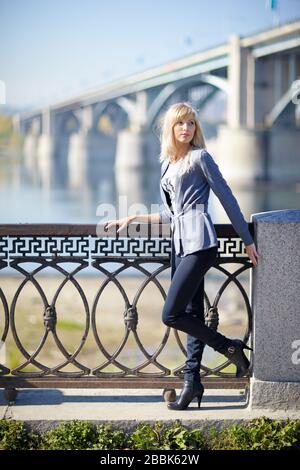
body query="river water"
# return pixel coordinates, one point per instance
(27, 195)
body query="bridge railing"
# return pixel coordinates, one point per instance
(78, 251)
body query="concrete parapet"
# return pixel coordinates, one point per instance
(275, 287)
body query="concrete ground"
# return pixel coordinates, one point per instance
(44, 407)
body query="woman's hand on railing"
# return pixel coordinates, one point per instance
(121, 223)
(252, 253)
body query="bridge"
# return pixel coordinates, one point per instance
(247, 91)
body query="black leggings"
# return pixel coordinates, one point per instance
(184, 307)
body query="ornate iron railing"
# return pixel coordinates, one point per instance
(91, 248)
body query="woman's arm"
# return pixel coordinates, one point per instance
(221, 189)
(150, 218)
(122, 223)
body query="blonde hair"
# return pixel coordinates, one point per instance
(176, 112)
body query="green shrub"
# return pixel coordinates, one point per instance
(108, 439)
(14, 436)
(73, 435)
(180, 438)
(146, 437)
(176, 436)
(259, 434)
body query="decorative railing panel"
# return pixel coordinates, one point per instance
(29, 250)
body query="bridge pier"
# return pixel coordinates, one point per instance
(45, 149)
(31, 141)
(242, 151)
(240, 144)
(284, 157)
(45, 162)
(252, 155)
(77, 160)
(130, 150)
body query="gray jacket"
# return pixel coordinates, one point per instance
(191, 224)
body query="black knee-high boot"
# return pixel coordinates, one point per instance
(190, 391)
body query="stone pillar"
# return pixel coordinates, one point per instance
(275, 288)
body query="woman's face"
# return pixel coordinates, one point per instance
(184, 130)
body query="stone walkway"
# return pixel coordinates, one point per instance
(45, 407)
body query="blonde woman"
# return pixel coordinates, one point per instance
(188, 172)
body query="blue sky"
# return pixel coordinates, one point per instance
(54, 49)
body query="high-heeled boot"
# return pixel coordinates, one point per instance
(189, 392)
(235, 353)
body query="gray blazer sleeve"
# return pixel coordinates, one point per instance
(221, 189)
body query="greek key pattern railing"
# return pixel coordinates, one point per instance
(52, 246)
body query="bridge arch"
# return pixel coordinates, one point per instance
(217, 84)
